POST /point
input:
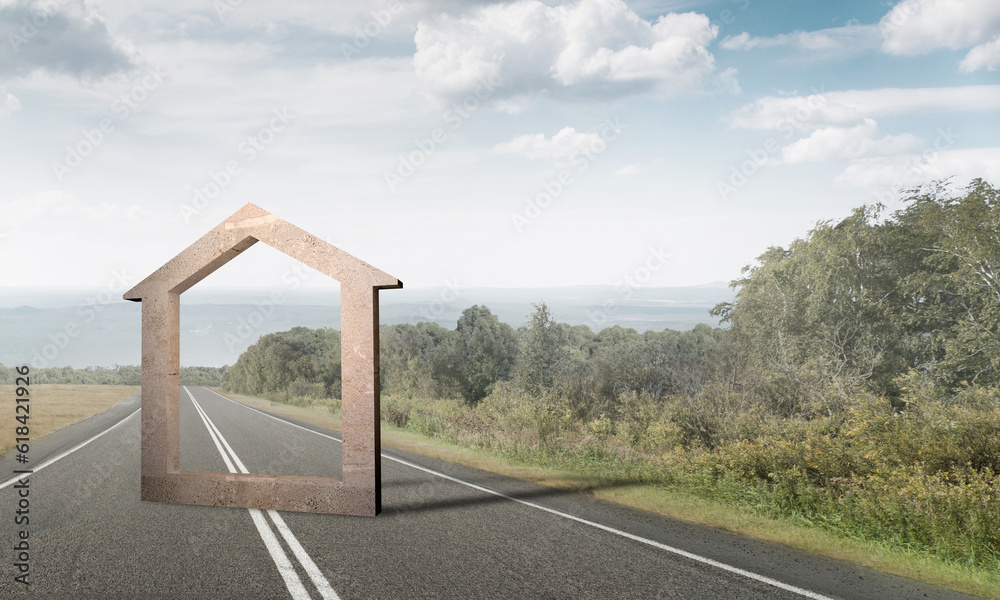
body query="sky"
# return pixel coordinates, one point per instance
(478, 144)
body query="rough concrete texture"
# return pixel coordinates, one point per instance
(359, 491)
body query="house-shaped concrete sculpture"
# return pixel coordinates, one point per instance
(358, 491)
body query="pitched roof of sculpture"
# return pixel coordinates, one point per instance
(243, 229)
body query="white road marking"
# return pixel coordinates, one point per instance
(625, 534)
(211, 432)
(311, 569)
(285, 568)
(68, 452)
(292, 580)
(276, 418)
(689, 555)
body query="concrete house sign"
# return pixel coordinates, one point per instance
(358, 491)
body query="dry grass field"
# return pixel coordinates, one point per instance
(54, 406)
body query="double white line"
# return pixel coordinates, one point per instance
(292, 580)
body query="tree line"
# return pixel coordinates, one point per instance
(114, 375)
(429, 361)
(872, 303)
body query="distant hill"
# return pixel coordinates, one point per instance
(63, 328)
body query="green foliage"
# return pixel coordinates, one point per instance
(956, 290)
(207, 376)
(817, 321)
(300, 356)
(116, 375)
(853, 305)
(420, 360)
(487, 351)
(543, 347)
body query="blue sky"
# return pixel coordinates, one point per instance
(502, 144)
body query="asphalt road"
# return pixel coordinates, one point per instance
(446, 531)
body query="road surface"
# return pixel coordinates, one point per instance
(446, 531)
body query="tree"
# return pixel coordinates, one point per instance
(420, 360)
(955, 294)
(860, 303)
(276, 360)
(818, 320)
(487, 352)
(542, 350)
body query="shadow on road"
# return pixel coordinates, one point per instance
(423, 496)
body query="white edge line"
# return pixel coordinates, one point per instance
(690, 555)
(317, 577)
(274, 417)
(66, 453)
(625, 534)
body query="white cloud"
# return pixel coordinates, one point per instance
(166, 18)
(985, 56)
(915, 27)
(52, 206)
(8, 103)
(841, 125)
(840, 143)
(597, 48)
(896, 101)
(851, 107)
(796, 112)
(741, 41)
(70, 38)
(567, 143)
(889, 174)
(629, 170)
(910, 28)
(727, 82)
(51, 203)
(852, 38)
